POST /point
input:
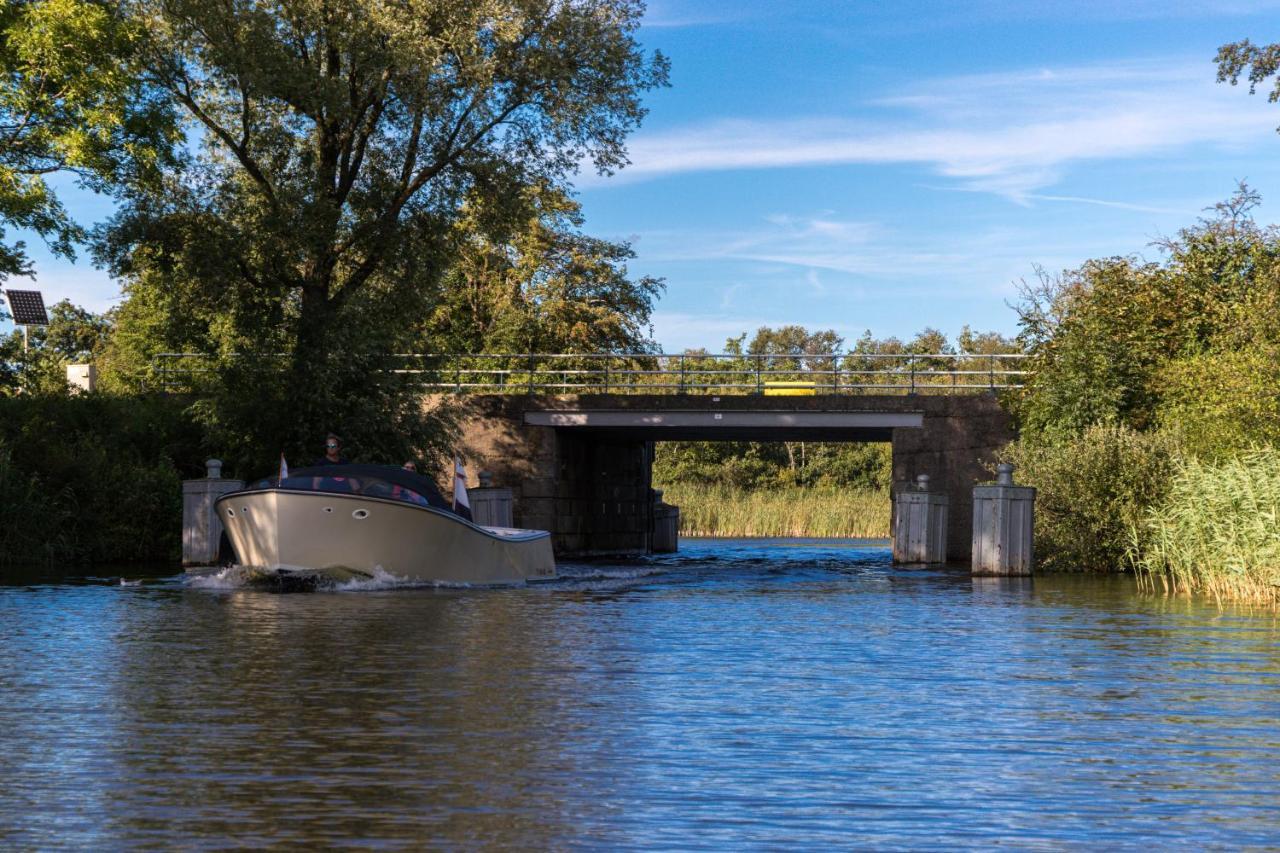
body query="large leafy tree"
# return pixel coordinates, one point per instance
(334, 146)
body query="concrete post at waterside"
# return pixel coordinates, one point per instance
(490, 506)
(666, 526)
(201, 526)
(920, 525)
(1003, 521)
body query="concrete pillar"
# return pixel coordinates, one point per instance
(666, 526)
(201, 526)
(491, 506)
(920, 525)
(1003, 523)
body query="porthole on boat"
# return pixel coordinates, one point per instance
(328, 509)
(360, 513)
(231, 513)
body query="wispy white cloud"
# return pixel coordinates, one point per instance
(1099, 202)
(1009, 134)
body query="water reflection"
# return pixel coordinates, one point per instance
(746, 693)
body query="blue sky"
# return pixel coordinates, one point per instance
(890, 166)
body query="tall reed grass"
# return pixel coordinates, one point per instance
(820, 511)
(1217, 530)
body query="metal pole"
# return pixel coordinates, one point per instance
(913, 374)
(759, 384)
(681, 374)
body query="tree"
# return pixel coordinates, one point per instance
(337, 144)
(1101, 336)
(70, 101)
(539, 285)
(1261, 62)
(795, 348)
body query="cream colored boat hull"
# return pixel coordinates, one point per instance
(342, 536)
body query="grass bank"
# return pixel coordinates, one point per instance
(815, 511)
(1217, 530)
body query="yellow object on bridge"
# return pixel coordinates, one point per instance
(789, 389)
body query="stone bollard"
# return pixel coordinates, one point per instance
(491, 506)
(1003, 523)
(666, 526)
(201, 526)
(920, 525)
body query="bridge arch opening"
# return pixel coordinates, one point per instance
(778, 488)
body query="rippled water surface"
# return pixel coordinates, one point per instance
(739, 694)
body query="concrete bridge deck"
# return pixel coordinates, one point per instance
(581, 465)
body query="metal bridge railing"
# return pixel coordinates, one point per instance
(659, 373)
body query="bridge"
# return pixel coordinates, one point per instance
(573, 435)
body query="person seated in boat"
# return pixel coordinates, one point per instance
(332, 452)
(333, 456)
(400, 493)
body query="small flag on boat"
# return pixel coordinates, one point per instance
(284, 467)
(461, 505)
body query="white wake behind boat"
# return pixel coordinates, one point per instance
(352, 521)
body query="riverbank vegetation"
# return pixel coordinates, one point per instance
(776, 488)
(1149, 424)
(821, 511)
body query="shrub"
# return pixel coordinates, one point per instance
(1093, 489)
(94, 478)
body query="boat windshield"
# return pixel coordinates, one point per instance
(364, 485)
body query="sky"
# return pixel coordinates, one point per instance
(890, 166)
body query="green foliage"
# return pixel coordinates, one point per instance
(1093, 489)
(1102, 336)
(1223, 402)
(771, 465)
(825, 511)
(94, 478)
(538, 285)
(1217, 529)
(71, 99)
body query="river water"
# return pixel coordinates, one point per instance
(738, 694)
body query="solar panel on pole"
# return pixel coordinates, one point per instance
(27, 307)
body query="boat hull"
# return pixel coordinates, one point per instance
(346, 536)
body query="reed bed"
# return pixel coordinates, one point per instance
(819, 511)
(1217, 531)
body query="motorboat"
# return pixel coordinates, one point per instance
(344, 522)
